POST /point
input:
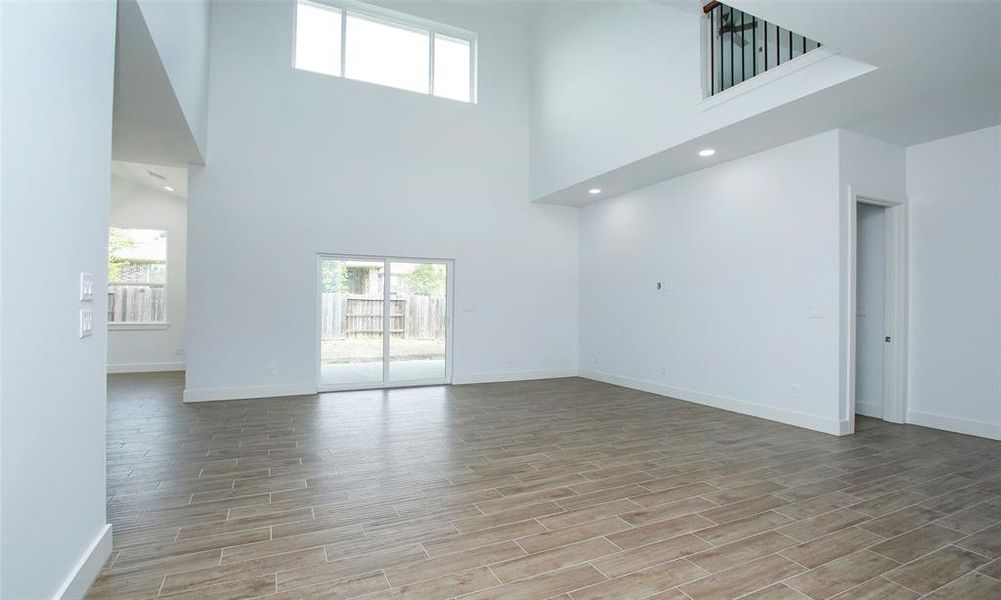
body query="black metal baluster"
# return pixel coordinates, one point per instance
(754, 45)
(804, 44)
(712, 55)
(778, 45)
(731, 47)
(766, 45)
(790, 45)
(743, 61)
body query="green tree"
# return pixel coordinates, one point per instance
(118, 240)
(427, 280)
(334, 277)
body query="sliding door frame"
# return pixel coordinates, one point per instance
(386, 308)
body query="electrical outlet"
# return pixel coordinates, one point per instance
(597, 361)
(795, 392)
(663, 371)
(179, 352)
(271, 369)
(86, 287)
(86, 322)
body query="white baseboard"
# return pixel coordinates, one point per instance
(243, 393)
(86, 570)
(468, 378)
(955, 425)
(869, 409)
(789, 417)
(145, 367)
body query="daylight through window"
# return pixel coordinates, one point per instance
(137, 276)
(386, 48)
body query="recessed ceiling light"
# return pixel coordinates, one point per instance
(707, 152)
(168, 188)
(594, 191)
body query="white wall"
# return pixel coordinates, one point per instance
(747, 251)
(302, 163)
(57, 72)
(870, 166)
(954, 189)
(871, 297)
(180, 31)
(138, 206)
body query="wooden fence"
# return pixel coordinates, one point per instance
(139, 303)
(412, 317)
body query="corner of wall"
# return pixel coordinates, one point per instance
(88, 567)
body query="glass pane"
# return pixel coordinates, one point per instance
(137, 275)
(318, 38)
(351, 321)
(451, 68)
(387, 54)
(417, 334)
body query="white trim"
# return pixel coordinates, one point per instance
(954, 424)
(145, 367)
(248, 392)
(896, 307)
(87, 568)
(502, 376)
(789, 417)
(123, 326)
(773, 74)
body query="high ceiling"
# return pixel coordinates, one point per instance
(938, 68)
(937, 73)
(156, 177)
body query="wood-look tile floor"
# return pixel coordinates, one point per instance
(562, 488)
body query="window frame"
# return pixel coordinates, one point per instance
(148, 325)
(394, 18)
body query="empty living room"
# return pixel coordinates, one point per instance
(500, 299)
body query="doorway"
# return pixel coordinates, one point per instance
(877, 327)
(870, 310)
(383, 322)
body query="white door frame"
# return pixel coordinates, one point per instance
(386, 306)
(895, 298)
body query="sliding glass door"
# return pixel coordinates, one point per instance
(383, 322)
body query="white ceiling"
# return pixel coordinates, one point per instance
(153, 176)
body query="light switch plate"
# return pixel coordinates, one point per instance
(86, 322)
(86, 287)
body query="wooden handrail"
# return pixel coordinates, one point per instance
(710, 6)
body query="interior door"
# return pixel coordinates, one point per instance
(383, 322)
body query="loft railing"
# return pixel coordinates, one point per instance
(741, 46)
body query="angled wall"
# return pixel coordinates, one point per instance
(180, 32)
